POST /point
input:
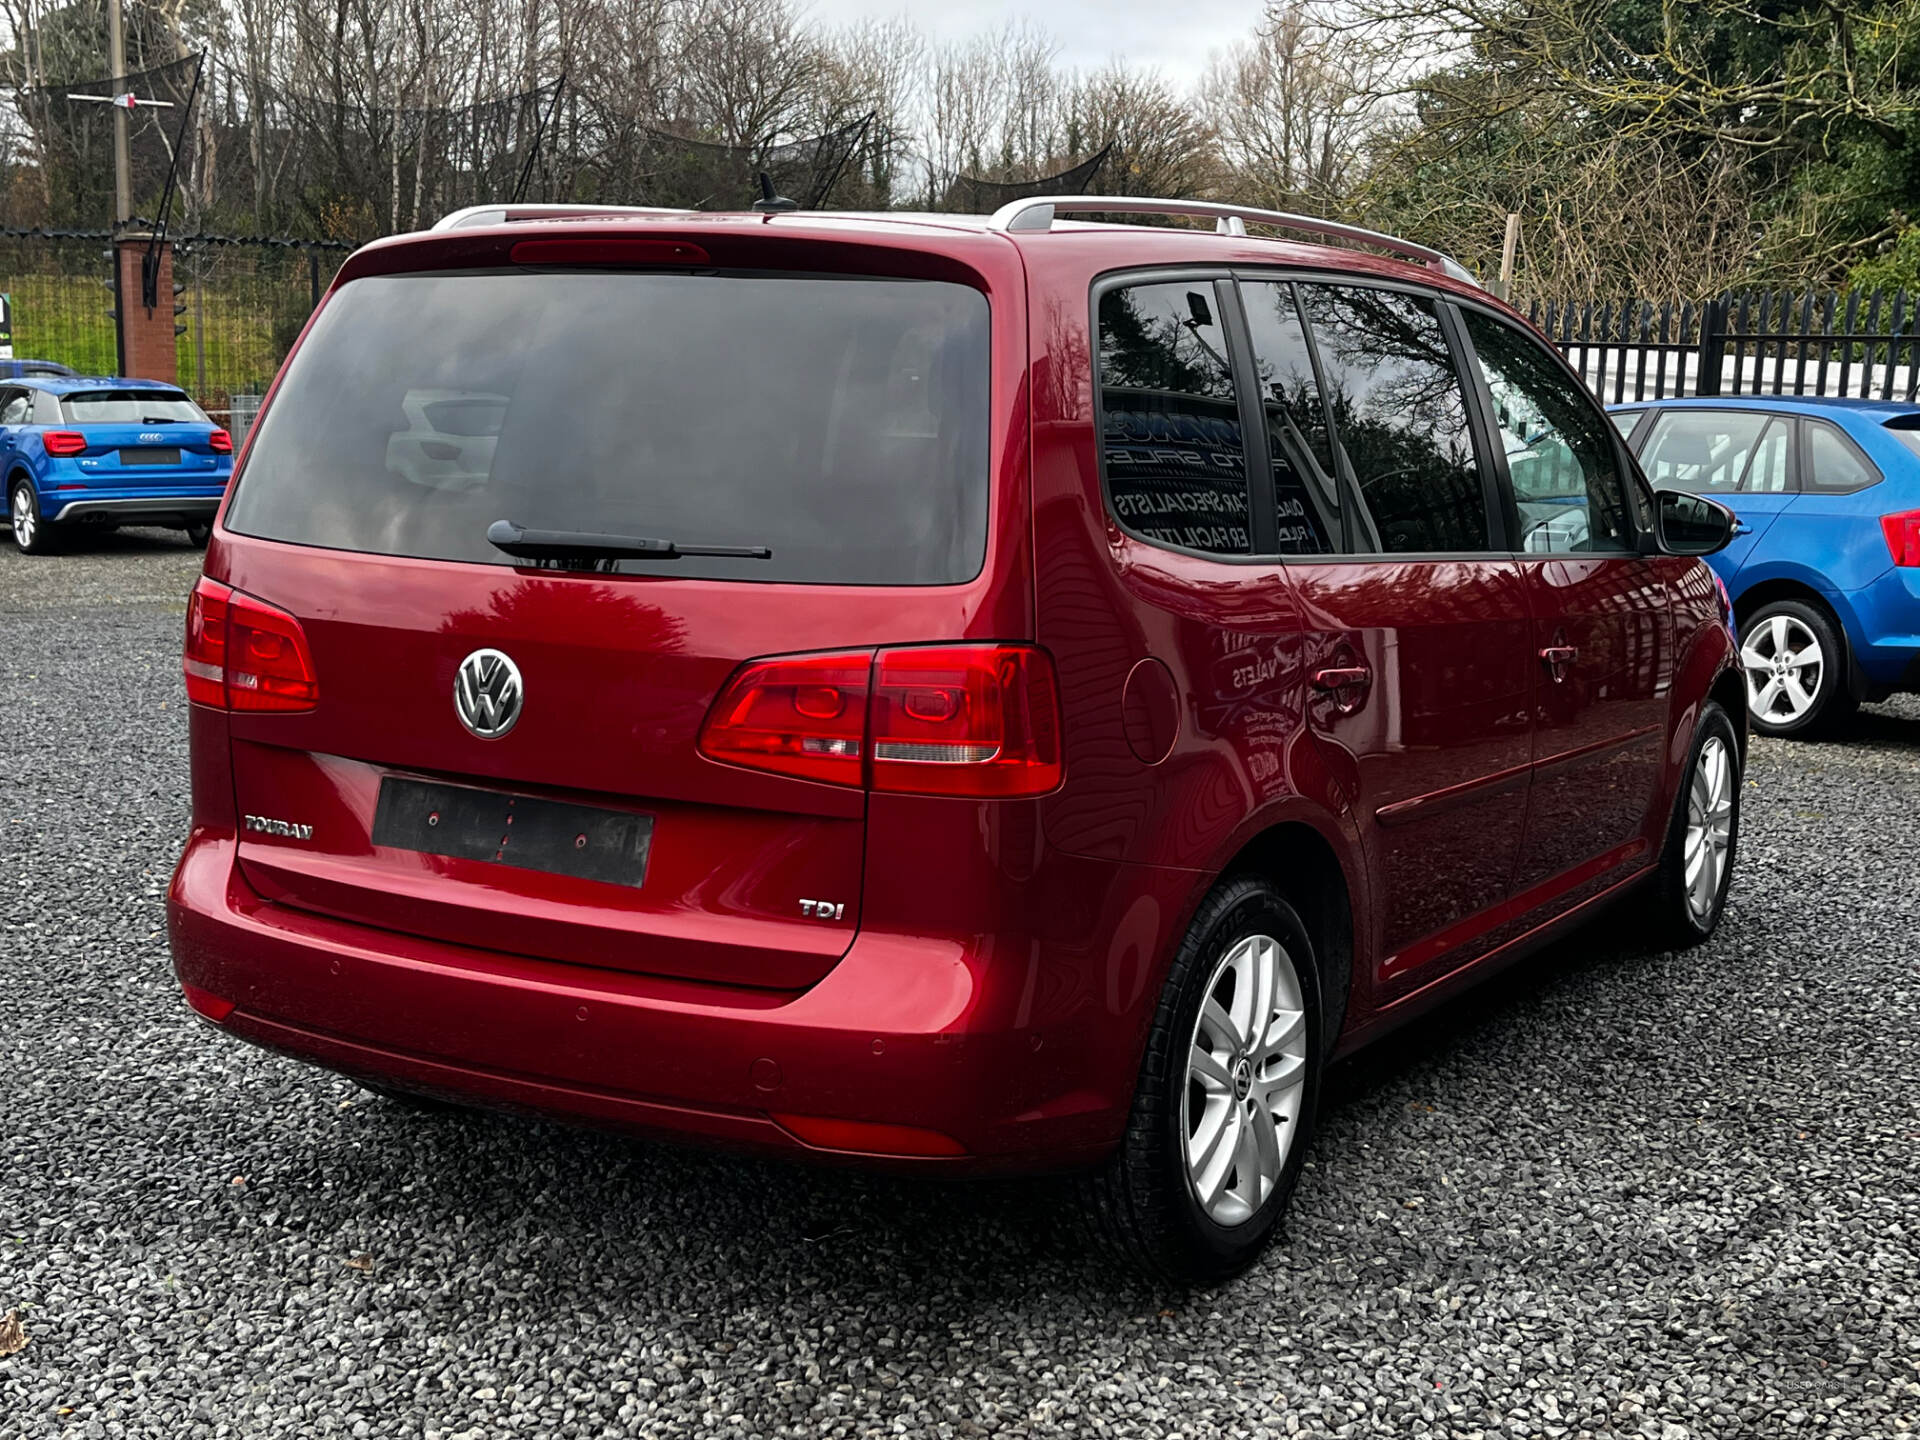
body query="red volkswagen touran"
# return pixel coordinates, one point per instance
(1005, 694)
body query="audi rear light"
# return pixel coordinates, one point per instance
(63, 442)
(1903, 536)
(975, 720)
(244, 654)
(803, 715)
(221, 442)
(981, 721)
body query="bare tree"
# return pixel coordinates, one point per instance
(1293, 109)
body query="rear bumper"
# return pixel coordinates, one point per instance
(901, 1033)
(1885, 629)
(128, 509)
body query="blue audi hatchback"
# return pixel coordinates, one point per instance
(1824, 568)
(95, 453)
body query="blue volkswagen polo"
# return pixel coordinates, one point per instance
(86, 452)
(1824, 568)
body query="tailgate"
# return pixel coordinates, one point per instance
(705, 878)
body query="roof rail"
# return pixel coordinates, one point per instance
(1035, 215)
(501, 214)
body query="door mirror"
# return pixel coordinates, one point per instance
(1688, 524)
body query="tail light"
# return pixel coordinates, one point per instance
(980, 721)
(221, 442)
(965, 720)
(804, 716)
(1903, 536)
(63, 442)
(244, 654)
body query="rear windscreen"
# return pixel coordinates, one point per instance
(130, 407)
(842, 423)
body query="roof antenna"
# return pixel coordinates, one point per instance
(770, 203)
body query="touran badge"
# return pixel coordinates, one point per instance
(487, 694)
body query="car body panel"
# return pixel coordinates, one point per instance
(104, 483)
(1008, 955)
(1830, 545)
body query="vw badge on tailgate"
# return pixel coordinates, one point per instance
(487, 693)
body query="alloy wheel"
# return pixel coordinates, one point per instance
(1709, 827)
(25, 522)
(1246, 1078)
(1785, 666)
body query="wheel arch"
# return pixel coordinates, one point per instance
(1303, 863)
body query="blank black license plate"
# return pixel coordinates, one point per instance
(149, 457)
(519, 830)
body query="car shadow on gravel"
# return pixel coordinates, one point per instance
(661, 1218)
(1883, 727)
(84, 543)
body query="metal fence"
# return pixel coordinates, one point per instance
(241, 304)
(1756, 343)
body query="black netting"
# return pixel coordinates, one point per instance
(275, 162)
(654, 167)
(973, 196)
(265, 161)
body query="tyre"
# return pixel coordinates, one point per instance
(1796, 663)
(1224, 1108)
(199, 532)
(33, 535)
(1696, 863)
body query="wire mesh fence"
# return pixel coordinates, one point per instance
(240, 306)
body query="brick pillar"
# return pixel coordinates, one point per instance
(146, 336)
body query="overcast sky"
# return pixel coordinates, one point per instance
(1173, 36)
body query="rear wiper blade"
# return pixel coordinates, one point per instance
(526, 544)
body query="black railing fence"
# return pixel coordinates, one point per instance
(1865, 345)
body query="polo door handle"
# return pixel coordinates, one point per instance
(1559, 655)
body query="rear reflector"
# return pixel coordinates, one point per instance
(244, 654)
(866, 1138)
(978, 721)
(221, 442)
(63, 442)
(1903, 536)
(205, 1002)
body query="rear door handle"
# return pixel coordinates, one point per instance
(1341, 678)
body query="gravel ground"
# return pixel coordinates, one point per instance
(1611, 1193)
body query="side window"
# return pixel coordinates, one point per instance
(46, 408)
(1702, 451)
(1566, 477)
(1834, 462)
(1170, 440)
(1400, 418)
(1767, 472)
(16, 407)
(1306, 496)
(1625, 420)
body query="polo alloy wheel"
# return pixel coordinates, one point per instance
(1786, 666)
(1246, 1076)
